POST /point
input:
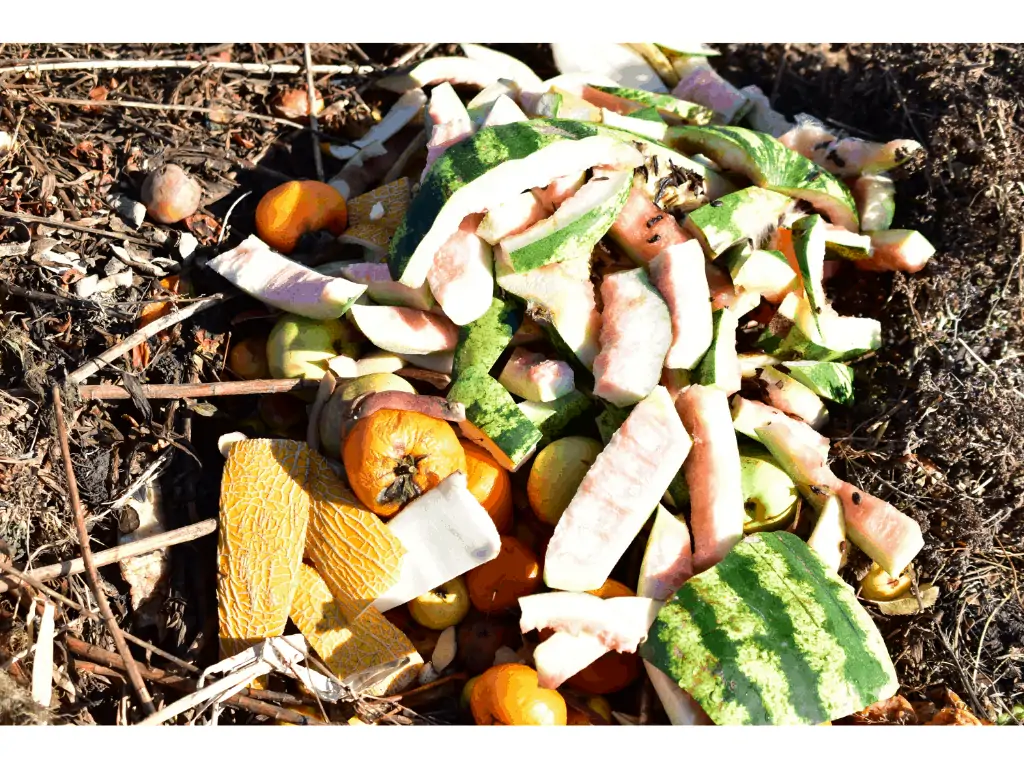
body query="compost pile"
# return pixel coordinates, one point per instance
(770, 294)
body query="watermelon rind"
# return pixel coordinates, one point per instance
(830, 380)
(809, 247)
(667, 106)
(553, 418)
(489, 168)
(770, 164)
(746, 215)
(720, 366)
(493, 420)
(764, 272)
(482, 342)
(771, 636)
(642, 127)
(636, 333)
(791, 397)
(828, 539)
(561, 298)
(577, 226)
(876, 201)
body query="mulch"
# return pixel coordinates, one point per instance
(936, 428)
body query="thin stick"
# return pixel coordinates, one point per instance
(124, 551)
(403, 159)
(420, 50)
(76, 228)
(211, 389)
(311, 101)
(276, 69)
(141, 335)
(91, 576)
(170, 108)
(39, 586)
(110, 662)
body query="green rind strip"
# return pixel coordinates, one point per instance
(554, 417)
(482, 341)
(663, 103)
(770, 636)
(721, 363)
(770, 164)
(491, 410)
(741, 216)
(577, 231)
(809, 247)
(833, 381)
(460, 172)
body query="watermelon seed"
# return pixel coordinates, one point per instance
(856, 497)
(716, 203)
(654, 220)
(654, 239)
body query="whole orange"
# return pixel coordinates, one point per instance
(509, 694)
(497, 585)
(295, 208)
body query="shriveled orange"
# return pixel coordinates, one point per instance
(489, 483)
(497, 585)
(248, 358)
(509, 694)
(296, 208)
(391, 457)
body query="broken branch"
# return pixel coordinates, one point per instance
(141, 335)
(91, 575)
(212, 389)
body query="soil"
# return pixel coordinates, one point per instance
(936, 429)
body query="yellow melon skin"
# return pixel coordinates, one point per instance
(348, 648)
(264, 511)
(353, 550)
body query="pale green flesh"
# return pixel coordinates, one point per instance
(637, 125)
(765, 272)
(828, 539)
(793, 398)
(770, 497)
(809, 247)
(720, 366)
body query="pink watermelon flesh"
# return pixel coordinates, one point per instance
(533, 376)
(713, 475)
(619, 623)
(642, 230)
(462, 275)
(706, 87)
(451, 122)
(563, 655)
(723, 293)
(383, 290)
(636, 333)
(619, 492)
(518, 216)
(609, 101)
(678, 272)
(883, 533)
(558, 191)
(668, 560)
(893, 253)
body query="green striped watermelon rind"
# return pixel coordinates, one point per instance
(809, 248)
(665, 104)
(579, 235)
(770, 164)
(554, 418)
(484, 340)
(493, 419)
(770, 636)
(464, 165)
(737, 217)
(831, 380)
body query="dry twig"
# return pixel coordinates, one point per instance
(91, 576)
(211, 389)
(311, 101)
(276, 69)
(81, 374)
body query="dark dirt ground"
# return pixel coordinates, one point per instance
(936, 430)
